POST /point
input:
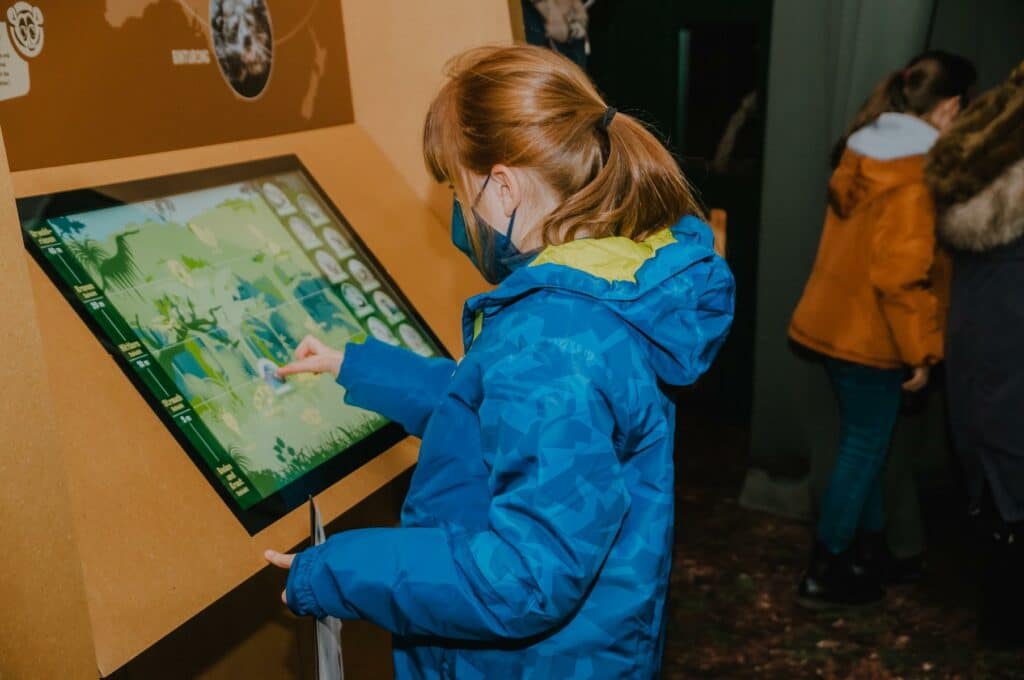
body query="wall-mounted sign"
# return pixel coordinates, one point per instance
(94, 79)
(21, 38)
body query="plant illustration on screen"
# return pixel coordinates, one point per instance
(220, 285)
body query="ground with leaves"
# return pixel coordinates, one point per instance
(732, 611)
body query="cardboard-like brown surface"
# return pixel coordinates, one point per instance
(45, 630)
(248, 634)
(117, 540)
(157, 546)
(105, 83)
(397, 53)
(515, 15)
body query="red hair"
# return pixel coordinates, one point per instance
(529, 107)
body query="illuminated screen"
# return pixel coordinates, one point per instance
(201, 285)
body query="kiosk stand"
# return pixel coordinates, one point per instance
(121, 557)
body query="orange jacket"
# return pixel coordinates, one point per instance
(879, 289)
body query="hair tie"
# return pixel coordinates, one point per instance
(606, 120)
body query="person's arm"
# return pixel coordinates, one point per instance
(903, 253)
(559, 501)
(394, 382)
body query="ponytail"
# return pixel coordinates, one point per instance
(926, 80)
(887, 96)
(638, 189)
(532, 108)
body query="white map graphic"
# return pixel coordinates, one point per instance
(120, 11)
(197, 11)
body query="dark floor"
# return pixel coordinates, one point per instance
(732, 611)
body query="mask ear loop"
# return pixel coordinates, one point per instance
(480, 193)
(511, 222)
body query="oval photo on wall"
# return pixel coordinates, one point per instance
(243, 43)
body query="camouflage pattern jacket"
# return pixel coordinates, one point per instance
(536, 536)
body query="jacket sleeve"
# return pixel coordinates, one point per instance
(903, 254)
(398, 384)
(558, 502)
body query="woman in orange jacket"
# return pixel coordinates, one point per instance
(874, 307)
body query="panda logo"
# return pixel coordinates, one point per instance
(25, 24)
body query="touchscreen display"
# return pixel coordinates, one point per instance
(201, 285)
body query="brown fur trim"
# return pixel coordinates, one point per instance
(992, 218)
(986, 139)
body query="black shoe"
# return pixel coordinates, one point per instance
(904, 571)
(1001, 614)
(872, 557)
(832, 582)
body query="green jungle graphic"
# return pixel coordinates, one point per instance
(219, 291)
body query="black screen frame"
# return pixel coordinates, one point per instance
(341, 464)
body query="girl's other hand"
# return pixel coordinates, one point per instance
(313, 356)
(282, 561)
(918, 380)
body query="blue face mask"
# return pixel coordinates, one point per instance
(500, 256)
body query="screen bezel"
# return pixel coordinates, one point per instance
(294, 494)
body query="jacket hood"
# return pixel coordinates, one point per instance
(985, 140)
(976, 171)
(893, 135)
(671, 289)
(989, 219)
(879, 157)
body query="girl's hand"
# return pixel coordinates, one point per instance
(280, 560)
(918, 380)
(313, 356)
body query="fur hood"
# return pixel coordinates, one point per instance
(976, 173)
(992, 218)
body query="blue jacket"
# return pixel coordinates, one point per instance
(536, 536)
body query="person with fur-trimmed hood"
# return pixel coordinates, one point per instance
(976, 175)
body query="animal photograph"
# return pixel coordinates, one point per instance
(243, 43)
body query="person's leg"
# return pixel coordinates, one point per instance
(872, 517)
(1002, 588)
(904, 527)
(869, 401)
(874, 554)
(533, 25)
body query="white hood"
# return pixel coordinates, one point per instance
(893, 135)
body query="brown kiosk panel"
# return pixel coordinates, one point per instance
(157, 545)
(119, 540)
(200, 285)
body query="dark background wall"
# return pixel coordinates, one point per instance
(812, 63)
(685, 68)
(825, 57)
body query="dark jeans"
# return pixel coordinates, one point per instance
(869, 404)
(533, 23)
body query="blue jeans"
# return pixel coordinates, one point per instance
(536, 34)
(869, 404)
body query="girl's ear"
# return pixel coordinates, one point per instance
(509, 184)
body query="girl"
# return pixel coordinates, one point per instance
(873, 307)
(976, 174)
(537, 532)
